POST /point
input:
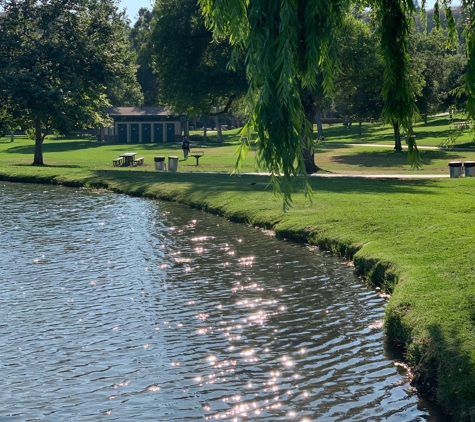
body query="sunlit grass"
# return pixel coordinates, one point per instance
(341, 152)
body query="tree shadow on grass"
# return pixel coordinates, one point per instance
(421, 135)
(51, 146)
(139, 182)
(56, 146)
(65, 166)
(392, 158)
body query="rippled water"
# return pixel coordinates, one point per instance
(119, 309)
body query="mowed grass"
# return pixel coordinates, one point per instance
(88, 153)
(342, 152)
(415, 238)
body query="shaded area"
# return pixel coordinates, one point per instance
(75, 145)
(391, 158)
(140, 181)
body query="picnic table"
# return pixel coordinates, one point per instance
(129, 158)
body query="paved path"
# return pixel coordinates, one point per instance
(330, 144)
(326, 174)
(384, 176)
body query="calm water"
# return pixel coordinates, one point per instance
(119, 309)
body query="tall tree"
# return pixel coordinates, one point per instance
(287, 45)
(139, 36)
(358, 85)
(428, 52)
(193, 71)
(57, 58)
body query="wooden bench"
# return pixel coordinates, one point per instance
(117, 162)
(197, 155)
(138, 161)
(461, 125)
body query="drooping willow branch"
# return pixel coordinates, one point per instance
(287, 43)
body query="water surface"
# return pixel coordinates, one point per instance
(119, 309)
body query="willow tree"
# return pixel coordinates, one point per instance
(289, 42)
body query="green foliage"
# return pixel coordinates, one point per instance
(394, 19)
(125, 93)
(30, 133)
(7, 122)
(193, 71)
(359, 83)
(139, 37)
(57, 59)
(439, 71)
(470, 43)
(287, 44)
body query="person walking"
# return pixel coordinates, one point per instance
(185, 146)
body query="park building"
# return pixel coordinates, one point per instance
(143, 125)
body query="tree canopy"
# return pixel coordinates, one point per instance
(192, 69)
(57, 59)
(139, 37)
(358, 84)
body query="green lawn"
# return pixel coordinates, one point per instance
(433, 133)
(341, 152)
(415, 238)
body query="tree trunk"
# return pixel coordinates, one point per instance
(308, 154)
(318, 119)
(204, 133)
(397, 137)
(219, 132)
(38, 158)
(360, 127)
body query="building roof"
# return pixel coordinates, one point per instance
(138, 111)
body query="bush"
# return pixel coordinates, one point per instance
(30, 133)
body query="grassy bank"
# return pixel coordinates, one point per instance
(415, 238)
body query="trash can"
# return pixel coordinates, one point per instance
(469, 168)
(455, 169)
(172, 163)
(159, 163)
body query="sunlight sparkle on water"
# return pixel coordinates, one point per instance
(247, 261)
(287, 362)
(199, 239)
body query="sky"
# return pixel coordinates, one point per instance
(133, 7)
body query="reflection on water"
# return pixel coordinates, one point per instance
(117, 308)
